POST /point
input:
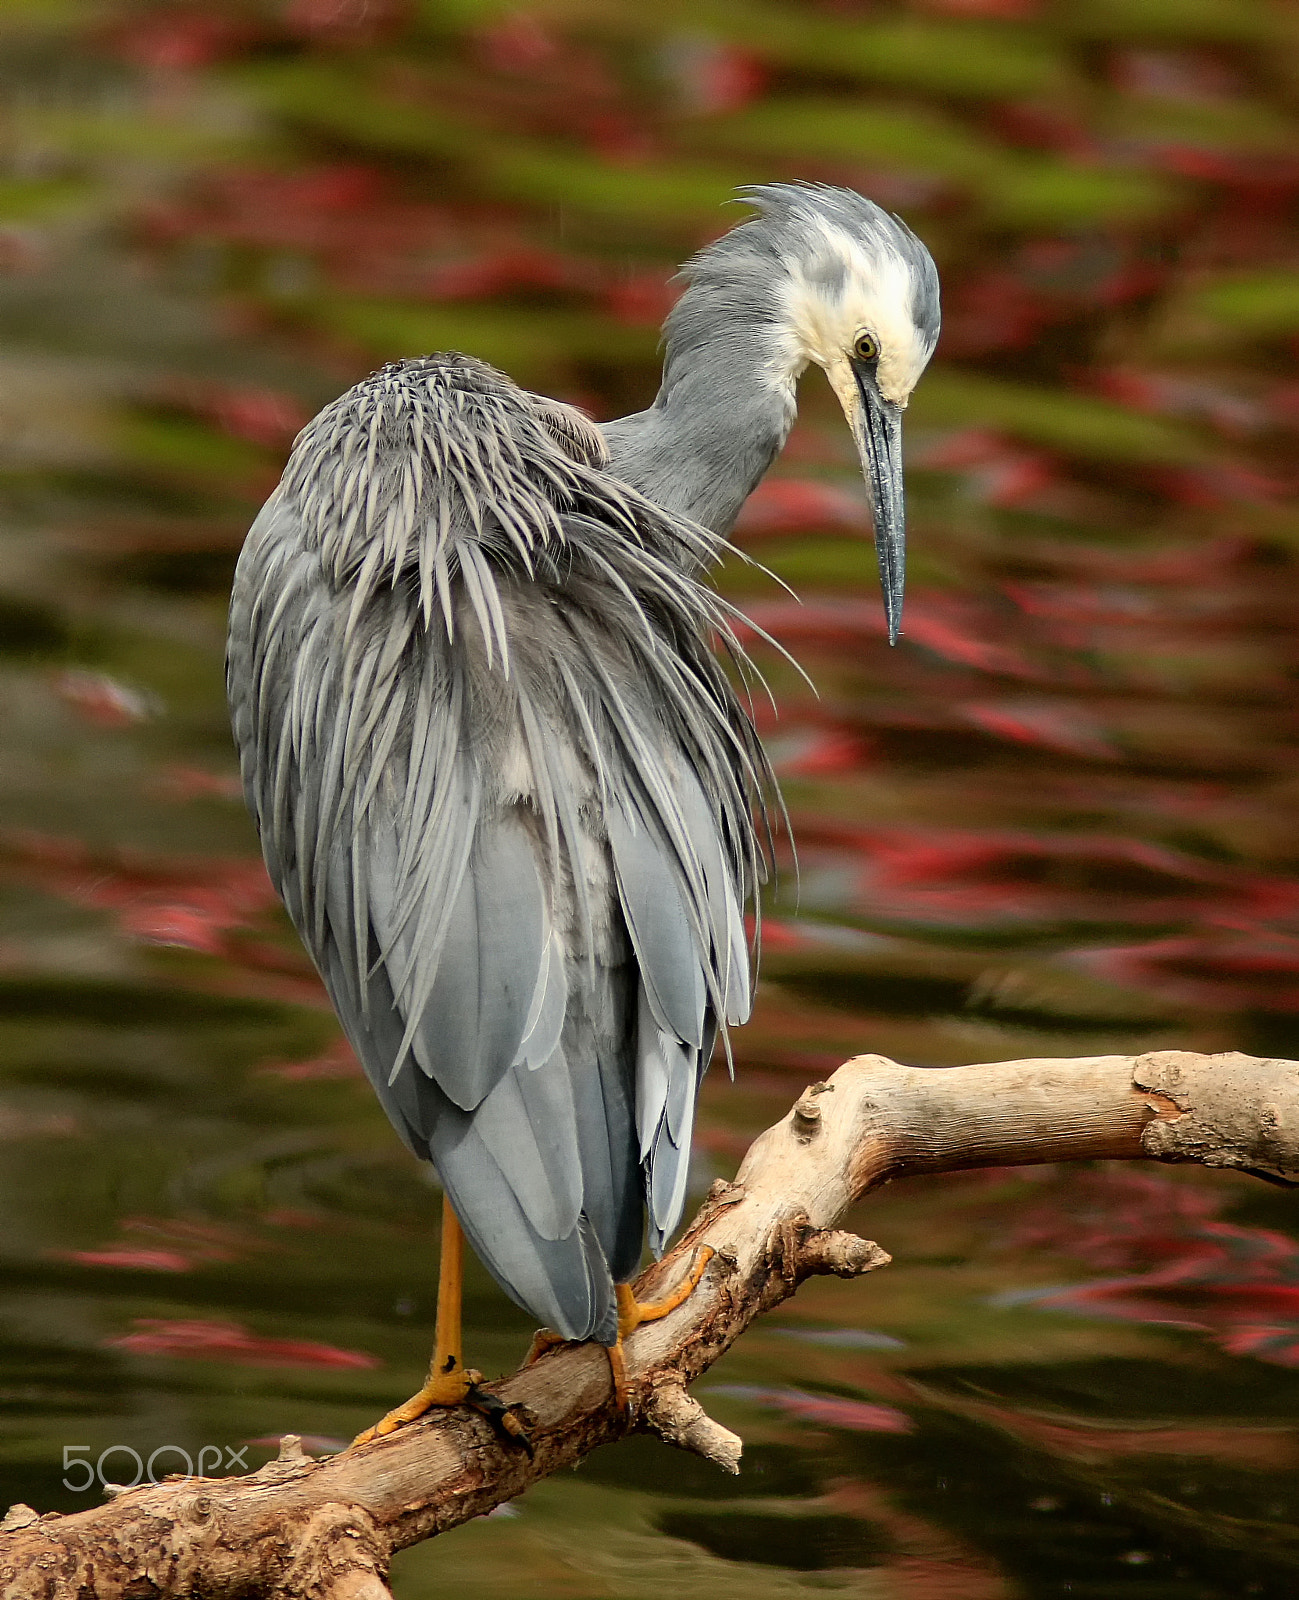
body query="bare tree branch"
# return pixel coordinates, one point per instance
(325, 1530)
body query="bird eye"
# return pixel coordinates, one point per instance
(866, 347)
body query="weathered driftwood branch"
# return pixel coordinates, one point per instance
(324, 1530)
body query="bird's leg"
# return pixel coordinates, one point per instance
(448, 1381)
(632, 1312)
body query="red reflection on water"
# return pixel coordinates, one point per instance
(181, 40)
(1068, 726)
(1183, 395)
(1048, 281)
(338, 210)
(641, 299)
(1179, 568)
(1216, 484)
(809, 745)
(712, 76)
(858, 1416)
(562, 85)
(517, 43)
(180, 1246)
(1240, 1285)
(954, 875)
(129, 1260)
(179, 782)
(196, 903)
(201, 1340)
(1194, 77)
(1224, 968)
(777, 934)
(1039, 125)
(209, 904)
(259, 415)
(348, 222)
(344, 22)
(1265, 1342)
(965, 633)
(820, 621)
(507, 270)
(338, 1061)
(780, 506)
(970, 636)
(1262, 178)
(1096, 1440)
(101, 700)
(997, 471)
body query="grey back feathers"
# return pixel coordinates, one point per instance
(512, 802)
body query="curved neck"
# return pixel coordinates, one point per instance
(717, 424)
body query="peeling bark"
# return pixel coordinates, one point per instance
(300, 1529)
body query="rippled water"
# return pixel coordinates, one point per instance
(1058, 819)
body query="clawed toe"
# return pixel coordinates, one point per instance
(544, 1340)
(503, 1418)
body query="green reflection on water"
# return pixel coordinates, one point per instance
(1059, 819)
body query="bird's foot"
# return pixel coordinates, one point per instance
(632, 1312)
(543, 1341)
(450, 1387)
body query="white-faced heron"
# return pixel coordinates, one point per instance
(512, 801)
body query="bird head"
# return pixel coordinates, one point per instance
(856, 294)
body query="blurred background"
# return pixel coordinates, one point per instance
(1058, 819)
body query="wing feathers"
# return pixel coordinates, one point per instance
(472, 1019)
(507, 794)
(666, 950)
(545, 1021)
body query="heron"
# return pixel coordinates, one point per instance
(512, 799)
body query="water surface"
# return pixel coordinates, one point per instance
(1057, 819)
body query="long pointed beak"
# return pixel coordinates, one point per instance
(877, 430)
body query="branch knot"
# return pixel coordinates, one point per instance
(806, 1116)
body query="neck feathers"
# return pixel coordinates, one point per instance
(724, 409)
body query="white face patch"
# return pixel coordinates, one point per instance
(843, 291)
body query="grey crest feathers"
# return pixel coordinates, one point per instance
(512, 803)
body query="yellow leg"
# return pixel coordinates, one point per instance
(632, 1312)
(448, 1380)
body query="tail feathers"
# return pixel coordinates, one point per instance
(624, 1238)
(611, 1182)
(666, 1173)
(565, 1282)
(514, 1170)
(667, 1081)
(528, 1124)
